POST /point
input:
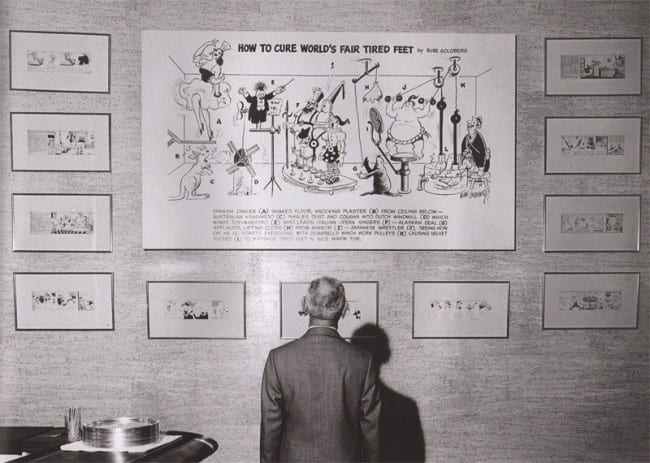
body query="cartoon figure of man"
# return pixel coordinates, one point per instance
(304, 123)
(474, 145)
(259, 103)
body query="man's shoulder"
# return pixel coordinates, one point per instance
(340, 344)
(284, 347)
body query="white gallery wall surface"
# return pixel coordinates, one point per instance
(509, 285)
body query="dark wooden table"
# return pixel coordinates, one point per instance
(42, 444)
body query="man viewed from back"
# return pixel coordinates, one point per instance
(320, 395)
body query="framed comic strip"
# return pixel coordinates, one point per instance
(593, 66)
(60, 61)
(461, 309)
(590, 300)
(593, 145)
(362, 297)
(63, 301)
(592, 222)
(62, 142)
(62, 222)
(196, 310)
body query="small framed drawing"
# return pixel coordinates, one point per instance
(590, 300)
(62, 222)
(593, 145)
(362, 297)
(63, 142)
(63, 301)
(463, 309)
(593, 66)
(196, 310)
(592, 223)
(60, 61)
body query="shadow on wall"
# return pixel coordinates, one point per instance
(402, 438)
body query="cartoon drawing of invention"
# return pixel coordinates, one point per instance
(465, 169)
(405, 134)
(242, 158)
(400, 131)
(319, 145)
(404, 157)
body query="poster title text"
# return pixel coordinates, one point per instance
(322, 48)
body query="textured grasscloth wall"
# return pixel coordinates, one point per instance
(538, 396)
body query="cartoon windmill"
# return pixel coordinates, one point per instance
(241, 158)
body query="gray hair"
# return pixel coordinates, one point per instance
(325, 298)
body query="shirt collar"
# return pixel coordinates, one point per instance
(323, 326)
(322, 331)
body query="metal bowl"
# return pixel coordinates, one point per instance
(121, 432)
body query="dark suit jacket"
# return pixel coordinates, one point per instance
(478, 149)
(255, 115)
(320, 402)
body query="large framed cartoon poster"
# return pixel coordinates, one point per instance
(269, 140)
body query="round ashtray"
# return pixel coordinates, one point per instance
(121, 432)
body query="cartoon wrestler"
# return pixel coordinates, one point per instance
(406, 128)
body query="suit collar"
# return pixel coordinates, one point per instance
(322, 331)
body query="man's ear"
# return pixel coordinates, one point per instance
(345, 310)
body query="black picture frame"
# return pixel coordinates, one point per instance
(638, 231)
(149, 282)
(11, 138)
(544, 284)
(568, 39)
(110, 223)
(112, 295)
(637, 172)
(12, 85)
(414, 283)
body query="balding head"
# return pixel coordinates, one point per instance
(325, 299)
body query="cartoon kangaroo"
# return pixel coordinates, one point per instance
(191, 180)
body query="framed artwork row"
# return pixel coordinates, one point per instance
(81, 142)
(83, 223)
(217, 309)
